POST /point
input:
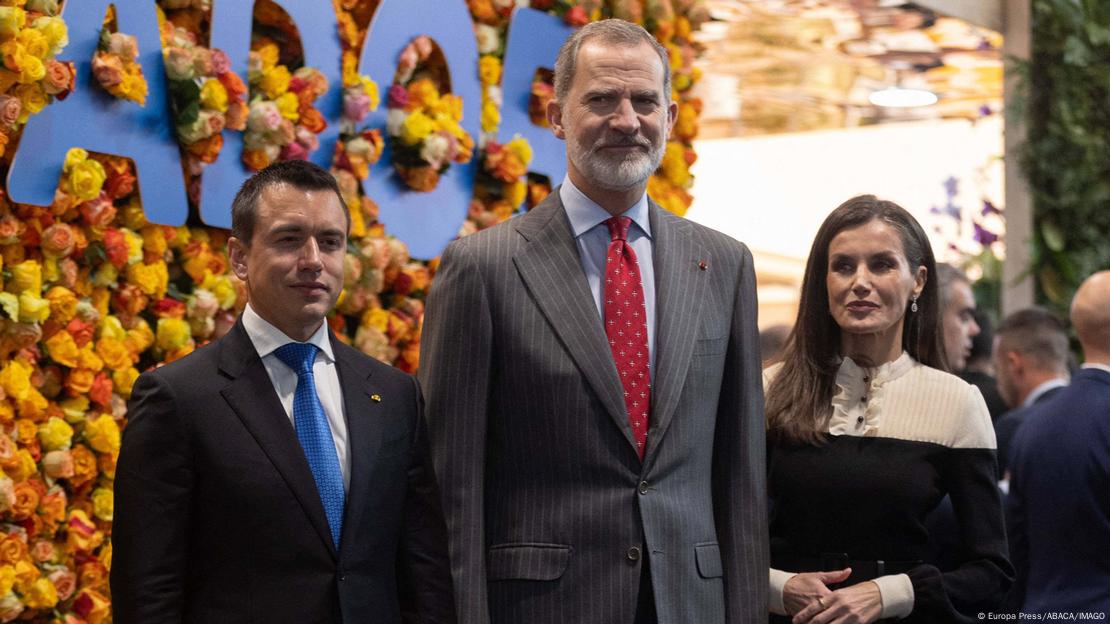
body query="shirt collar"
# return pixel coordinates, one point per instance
(1101, 367)
(1043, 388)
(585, 214)
(266, 338)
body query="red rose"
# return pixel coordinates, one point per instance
(576, 16)
(101, 390)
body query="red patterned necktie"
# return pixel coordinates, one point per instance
(626, 327)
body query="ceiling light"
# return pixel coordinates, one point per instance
(900, 97)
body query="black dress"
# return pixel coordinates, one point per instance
(903, 436)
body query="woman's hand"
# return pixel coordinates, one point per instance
(859, 604)
(805, 588)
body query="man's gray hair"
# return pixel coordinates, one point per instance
(614, 32)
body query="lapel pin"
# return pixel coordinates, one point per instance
(377, 398)
(703, 265)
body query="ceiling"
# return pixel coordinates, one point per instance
(774, 66)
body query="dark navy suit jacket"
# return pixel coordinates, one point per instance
(1059, 500)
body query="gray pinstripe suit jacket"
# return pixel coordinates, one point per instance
(544, 492)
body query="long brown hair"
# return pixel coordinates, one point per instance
(799, 399)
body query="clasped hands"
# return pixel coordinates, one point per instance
(807, 597)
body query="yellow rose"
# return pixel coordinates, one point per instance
(674, 165)
(33, 309)
(133, 86)
(350, 69)
(55, 31)
(152, 279)
(274, 81)
(42, 595)
(89, 359)
(423, 93)
(15, 379)
(122, 380)
(111, 327)
(172, 334)
(106, 275)
(114, 353)
(55, 434)
(103, 434)
(416, 127)
(63, 349)
(516, 192)
(23, 466)
(34, 43)
(85, 180)
(221, 287)
(32, 69)
(520, 148)
(139, 338)
(213, 95)
(288, 104)
(12, 20)
(489, 70)
(7, 579)
(13, 55)
(25, 574)
(26, 277)
(32, 407)
(9, 303)
(134, 245)
(74, 157)
(103, 501)
(33, 97)
(74, 409)
(491, 116)
(269, 54)
(63, 303)
(370, 88)
(376, 318)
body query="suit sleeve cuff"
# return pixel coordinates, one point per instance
(896, 592)
(778, 582)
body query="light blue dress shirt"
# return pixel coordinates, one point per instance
(592, 236)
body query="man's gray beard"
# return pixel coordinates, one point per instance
(611, 175)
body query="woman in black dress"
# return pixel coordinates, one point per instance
(867, 433)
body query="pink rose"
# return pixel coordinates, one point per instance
(221, 64)
(294, 151)
(10, 107)
(58, 464)
(423, 46)
(307, 139)
(398, 96)
(179, 64)
(356, 104)
(107, 69)
(98, 212)
(124, 45)
(42, 551)
(263, 117)
(202, 62)
(286, 132)
(65, 582)
(59, 78)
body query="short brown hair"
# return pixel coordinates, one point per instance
(300, 174)
(1038, 333)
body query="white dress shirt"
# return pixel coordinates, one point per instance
(592, 237)
(266, 339)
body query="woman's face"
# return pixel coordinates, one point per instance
(870, 282)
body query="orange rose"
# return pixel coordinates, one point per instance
(79, 381)
(84, 466)
(120, 183)
(92, 605)
(26, 501)
(52, 508)
(13, 549)
(207, 150)
(101, 390)
(59, 78)
(94, 574)
(255, 160)
(312, 120)
(58, 240)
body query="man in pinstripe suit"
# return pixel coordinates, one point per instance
(574, 492)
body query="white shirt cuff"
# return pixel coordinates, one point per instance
(778, 582)
(896, 592)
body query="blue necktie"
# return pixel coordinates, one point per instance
(314, 433)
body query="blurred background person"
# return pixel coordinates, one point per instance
(1031, 361)
(867, 433)
(957, 309)
(979, 367)
(772, 341)
(1059, 500)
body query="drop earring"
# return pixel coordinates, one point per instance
(913, 304)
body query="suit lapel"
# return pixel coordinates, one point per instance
(552, 272)
(364, 429)
(253, 399)
(680, 286)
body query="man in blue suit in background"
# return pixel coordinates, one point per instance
(1060, 485)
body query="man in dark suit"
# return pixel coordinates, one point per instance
(592, 374)
(1031, 362)
(1059, 499)
(277, 475)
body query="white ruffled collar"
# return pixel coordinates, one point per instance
(857, 404)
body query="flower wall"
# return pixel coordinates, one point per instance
(91, 294)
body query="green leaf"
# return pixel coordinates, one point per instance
(1052, 235)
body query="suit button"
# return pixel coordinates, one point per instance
(342, 577)
(643, 487)
(633, 553)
